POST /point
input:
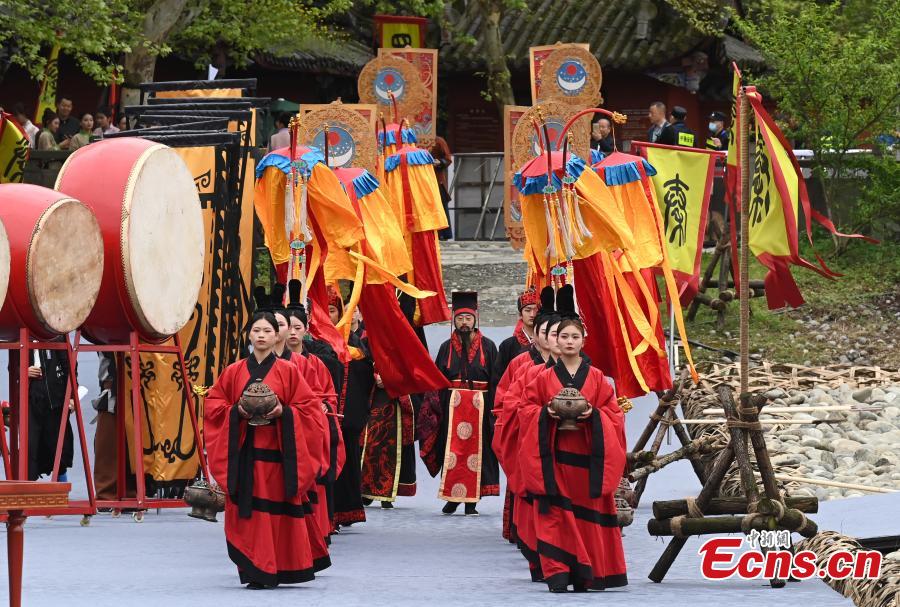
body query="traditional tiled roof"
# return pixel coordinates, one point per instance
(609, 26)
(338, 57)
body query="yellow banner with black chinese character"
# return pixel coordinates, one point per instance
(682, 185)
(13, 150)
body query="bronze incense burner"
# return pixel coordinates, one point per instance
(569, 404)
(205, 500)
(258, 400)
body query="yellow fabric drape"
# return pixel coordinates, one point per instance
(427, 210)
(327, 203)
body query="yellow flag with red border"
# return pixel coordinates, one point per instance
(13, 150)
(681, 188)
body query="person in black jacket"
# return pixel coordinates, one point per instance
(718, 134)
(48, 375)
(678, 133)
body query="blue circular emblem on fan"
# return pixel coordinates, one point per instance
(341, 147)
(571, 77)
(554, 128)
(389, 80)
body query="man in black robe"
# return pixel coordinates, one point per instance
(529, 305)
(468, 360)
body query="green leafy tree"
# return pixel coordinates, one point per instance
(834, 71)
(222, 31)
(93, 32)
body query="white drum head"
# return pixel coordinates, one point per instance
(4, 264)
(163, 243)
(65, 265)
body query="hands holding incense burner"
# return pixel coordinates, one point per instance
(569, 407)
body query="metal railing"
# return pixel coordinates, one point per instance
(476, 196)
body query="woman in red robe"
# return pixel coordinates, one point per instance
(569, 478)
(267, 470)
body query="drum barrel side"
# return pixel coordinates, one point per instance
(117, 160)
(21, 208)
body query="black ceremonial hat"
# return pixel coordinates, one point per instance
(565, 302)
(464, 302)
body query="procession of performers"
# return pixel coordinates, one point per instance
(342, 347)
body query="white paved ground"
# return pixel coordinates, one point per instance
(411, 555)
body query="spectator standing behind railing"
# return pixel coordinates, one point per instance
(47, 138)
(281, 138)
(658, 122)
(31, 131)
(83, 137)
(68, 124)
(104, 123)
(440, 151)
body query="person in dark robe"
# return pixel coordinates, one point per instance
(569, 477)
(48, 377)
(528, 305)
(355, 399)
(389, 452)
(469, 469)
(266, 470)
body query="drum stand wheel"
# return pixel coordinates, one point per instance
(138, 516)
(116, 512)
(85, 520)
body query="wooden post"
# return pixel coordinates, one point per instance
(744, 159)
(657, 443)
(727, 505)
(739, 442)
(697, 446)
(679, 527)
(710, 490)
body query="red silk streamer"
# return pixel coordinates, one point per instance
(427, 274)
(400, 358)
(604, 344)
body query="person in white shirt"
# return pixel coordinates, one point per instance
(31, 131)
(103, 119)
(281, 138)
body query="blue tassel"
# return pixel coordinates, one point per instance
(626, 173)
(365, 184)
(414, 158)
(305, 163)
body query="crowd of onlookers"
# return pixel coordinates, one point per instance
(64, 129)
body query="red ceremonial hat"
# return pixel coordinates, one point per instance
(528, 298)
(334, 298)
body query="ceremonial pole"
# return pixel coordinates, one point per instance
(744, 270)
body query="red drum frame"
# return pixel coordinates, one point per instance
(15, 459)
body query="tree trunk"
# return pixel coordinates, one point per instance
(499, 85)
(163, 18)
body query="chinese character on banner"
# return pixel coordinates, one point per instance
(395, 31)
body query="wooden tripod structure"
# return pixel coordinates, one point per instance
(766, 512)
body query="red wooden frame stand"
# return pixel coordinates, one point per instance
(16, 464)
(15, 455)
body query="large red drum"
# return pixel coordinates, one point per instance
(4, 262)
(55, 261)
(149, 212)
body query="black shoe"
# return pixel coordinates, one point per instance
(387, 505)
(367, 501)
(256, 586)
(470, 510)
(450, 507)
(557, 589)
(579, 587)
